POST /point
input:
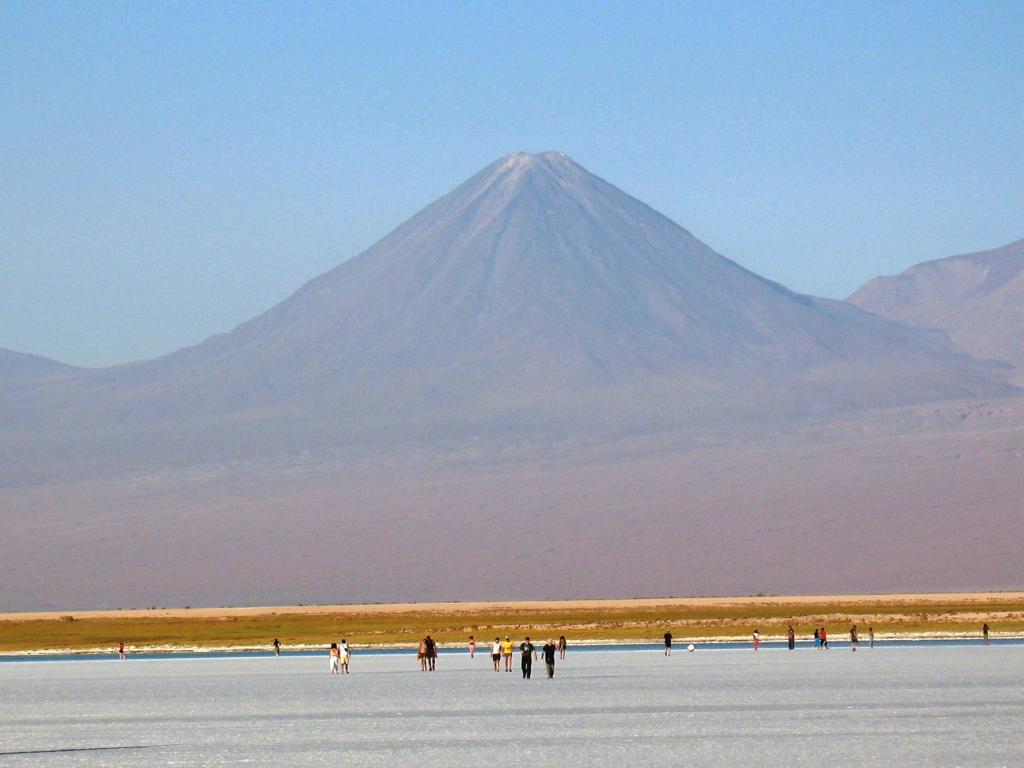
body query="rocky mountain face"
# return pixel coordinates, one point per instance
(977, 298)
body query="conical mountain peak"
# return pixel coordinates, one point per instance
(532, 288)
(536, 276)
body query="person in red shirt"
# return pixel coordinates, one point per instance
(824, 638)
(120, 652)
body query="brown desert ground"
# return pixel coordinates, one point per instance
(921, 499)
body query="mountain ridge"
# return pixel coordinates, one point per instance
(23, 365)
(977, 298)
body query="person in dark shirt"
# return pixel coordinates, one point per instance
(854, 639)
(562, 645)
(527, 652)
(277, 647)
(549, 655)
(984, 633)
(668, 643)
(791, 636)
(431, 653)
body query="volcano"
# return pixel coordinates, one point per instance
(539, 372)
(534, 300)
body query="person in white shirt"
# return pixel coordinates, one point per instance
(496, 654)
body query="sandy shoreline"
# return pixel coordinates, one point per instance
(363, 609)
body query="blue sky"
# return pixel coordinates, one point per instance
(172, 169)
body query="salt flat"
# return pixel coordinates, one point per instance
(939, 706)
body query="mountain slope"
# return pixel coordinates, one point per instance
(978, 298)
(18, 366)
(535, 298)
(535, 374)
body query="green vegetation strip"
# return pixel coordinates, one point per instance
(453, 626)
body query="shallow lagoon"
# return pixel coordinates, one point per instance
(920, 705)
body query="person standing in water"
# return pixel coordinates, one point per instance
(871, 637)
(506, 651)
(984, 633)
(549, 655)
(496, 654)
(335, 658)
(562, 645)
(277, 647)
(526, 654)
(757, 639)
(791, 636)
(472, 647)
(824, 638)
(853, 638)
(817, 640)
(668, 643)
(343, 656)
(120, 652)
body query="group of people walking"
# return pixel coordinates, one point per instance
(820, 638)
(502, 652)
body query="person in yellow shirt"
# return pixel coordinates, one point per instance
(506, 652)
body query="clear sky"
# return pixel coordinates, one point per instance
(172, 169)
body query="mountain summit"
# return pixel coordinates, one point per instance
(535, 280)
(534, 299)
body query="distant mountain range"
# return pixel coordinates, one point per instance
(977, 298)
(535, 315)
